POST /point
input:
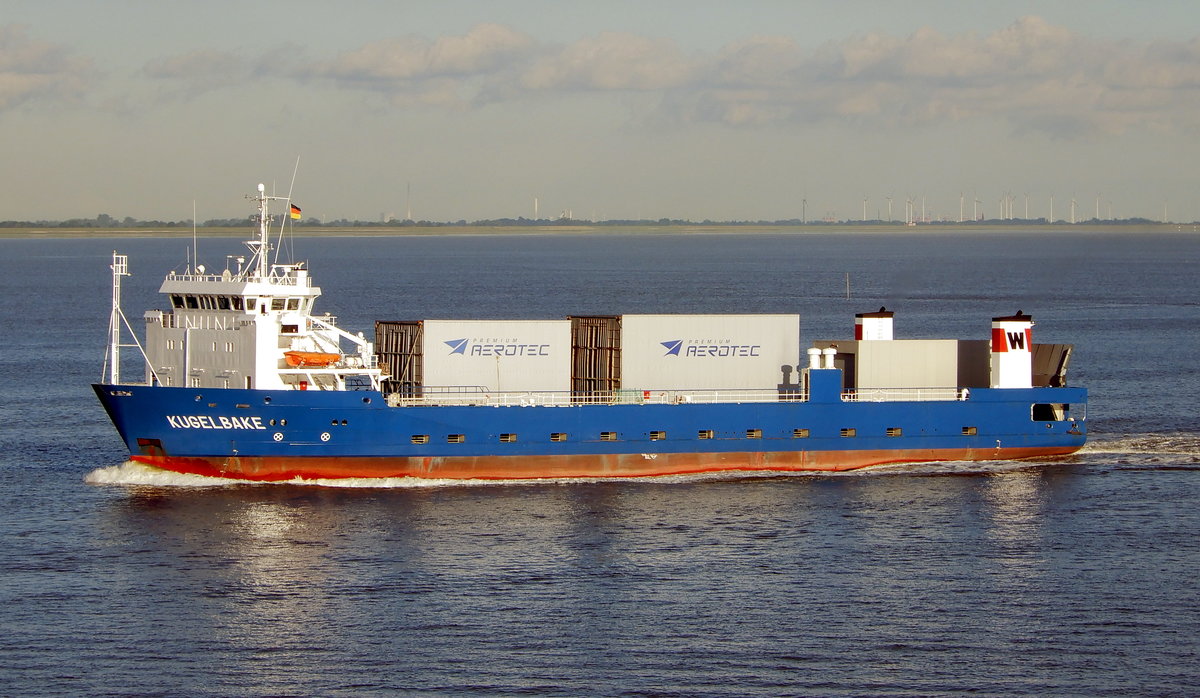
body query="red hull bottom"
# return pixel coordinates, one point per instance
(589, 466)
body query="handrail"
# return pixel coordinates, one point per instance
(477, 395)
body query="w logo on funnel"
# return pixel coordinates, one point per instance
(672, 347)
(457, 346)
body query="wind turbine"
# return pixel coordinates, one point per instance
(803, 211)
(1026, 205)
(976, 212)
(889, 208)
(864, 209)
(1097, 205)
(1051, 208)
(960, 206)
(1072, 210)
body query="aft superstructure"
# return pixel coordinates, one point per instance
(246, 326)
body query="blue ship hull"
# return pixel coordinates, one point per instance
(287, 434)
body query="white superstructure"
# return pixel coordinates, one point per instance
(252, 327)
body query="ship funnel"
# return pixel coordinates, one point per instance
(1012, 351)
(877, 325)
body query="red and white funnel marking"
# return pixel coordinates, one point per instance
(876, 325)
(1012, 351)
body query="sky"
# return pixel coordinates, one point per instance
(613, 109)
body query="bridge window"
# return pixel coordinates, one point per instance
(236, 302)
(223, 302)
(277, 303)
(293, 304)
(251, 304)
(191, 302)
(176, 300)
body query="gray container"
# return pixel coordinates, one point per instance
(709, 352)
(497, 355)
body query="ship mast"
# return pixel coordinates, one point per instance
(262, 245)
(120, 267)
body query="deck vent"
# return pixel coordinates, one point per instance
(456, 438)
(970, 431)
(849, 431)
(420, 438)
(558, 436)
(508, 438)
(754, 433)
(704, 434)
(799, 433)
(895, 431)
(658, 435)
(608, 436)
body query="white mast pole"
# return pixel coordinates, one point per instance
(120, 267)
(264, 233)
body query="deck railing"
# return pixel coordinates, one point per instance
(477, 395)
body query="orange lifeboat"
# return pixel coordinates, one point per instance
(310, 358)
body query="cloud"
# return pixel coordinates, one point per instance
(1036, 76)
(612, 61)
(1033, 75)
(198, 70)
(31, 70)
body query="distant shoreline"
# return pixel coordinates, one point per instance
(674, 229)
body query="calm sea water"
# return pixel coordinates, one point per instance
(1065, 577)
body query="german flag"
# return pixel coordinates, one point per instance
(295, 212)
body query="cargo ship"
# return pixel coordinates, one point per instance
(243, 379)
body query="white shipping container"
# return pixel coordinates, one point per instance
(498, 355)
(709, 352)
(899, 363)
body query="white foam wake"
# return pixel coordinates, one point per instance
(1176, 444)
